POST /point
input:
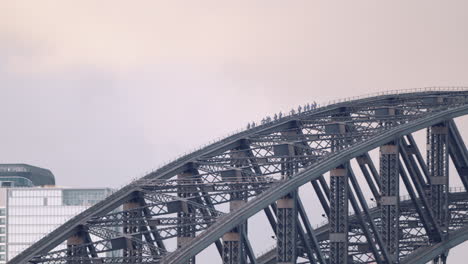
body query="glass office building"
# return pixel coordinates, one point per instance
(28, 213)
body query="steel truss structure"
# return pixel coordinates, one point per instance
(207, 197)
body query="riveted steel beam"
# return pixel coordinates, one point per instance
(322, 198)
(365, 164)
(310, 235)
(458, 153)
(368, 225)
(433, 229)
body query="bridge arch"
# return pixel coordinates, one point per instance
(260, 169)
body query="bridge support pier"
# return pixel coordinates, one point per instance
(286, 209)
(286, 230)
(389, 200)
(442, 259)
(339, 215)
(233, 246)
(75, 251)
(339, 189)
(132, 251)
(185, 231)
(437, 164)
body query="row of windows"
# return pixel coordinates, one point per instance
(98, 194)
(36, 201)
(44, 210)
(30, 192)
(38, 220)
(51, 201)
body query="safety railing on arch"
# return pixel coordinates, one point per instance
(321, 107)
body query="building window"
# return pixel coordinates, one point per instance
(2, 221)
(2, 230)
(2, 248)
(2, 239)
(2, 212)
(2, 256)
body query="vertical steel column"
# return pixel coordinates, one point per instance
(242, 159)
(75, 252)
(185, 229)
(286, 209)
(286, 229)
(338, 216)
(437, 164)
(389, 200)
(438, 167)
(233, 248)
(442, 259)
(251, 161)
(339, 189)
(130, 226)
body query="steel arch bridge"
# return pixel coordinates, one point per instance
(208, 197)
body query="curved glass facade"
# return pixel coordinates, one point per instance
(12, 181)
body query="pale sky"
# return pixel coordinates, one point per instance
(103, 91)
